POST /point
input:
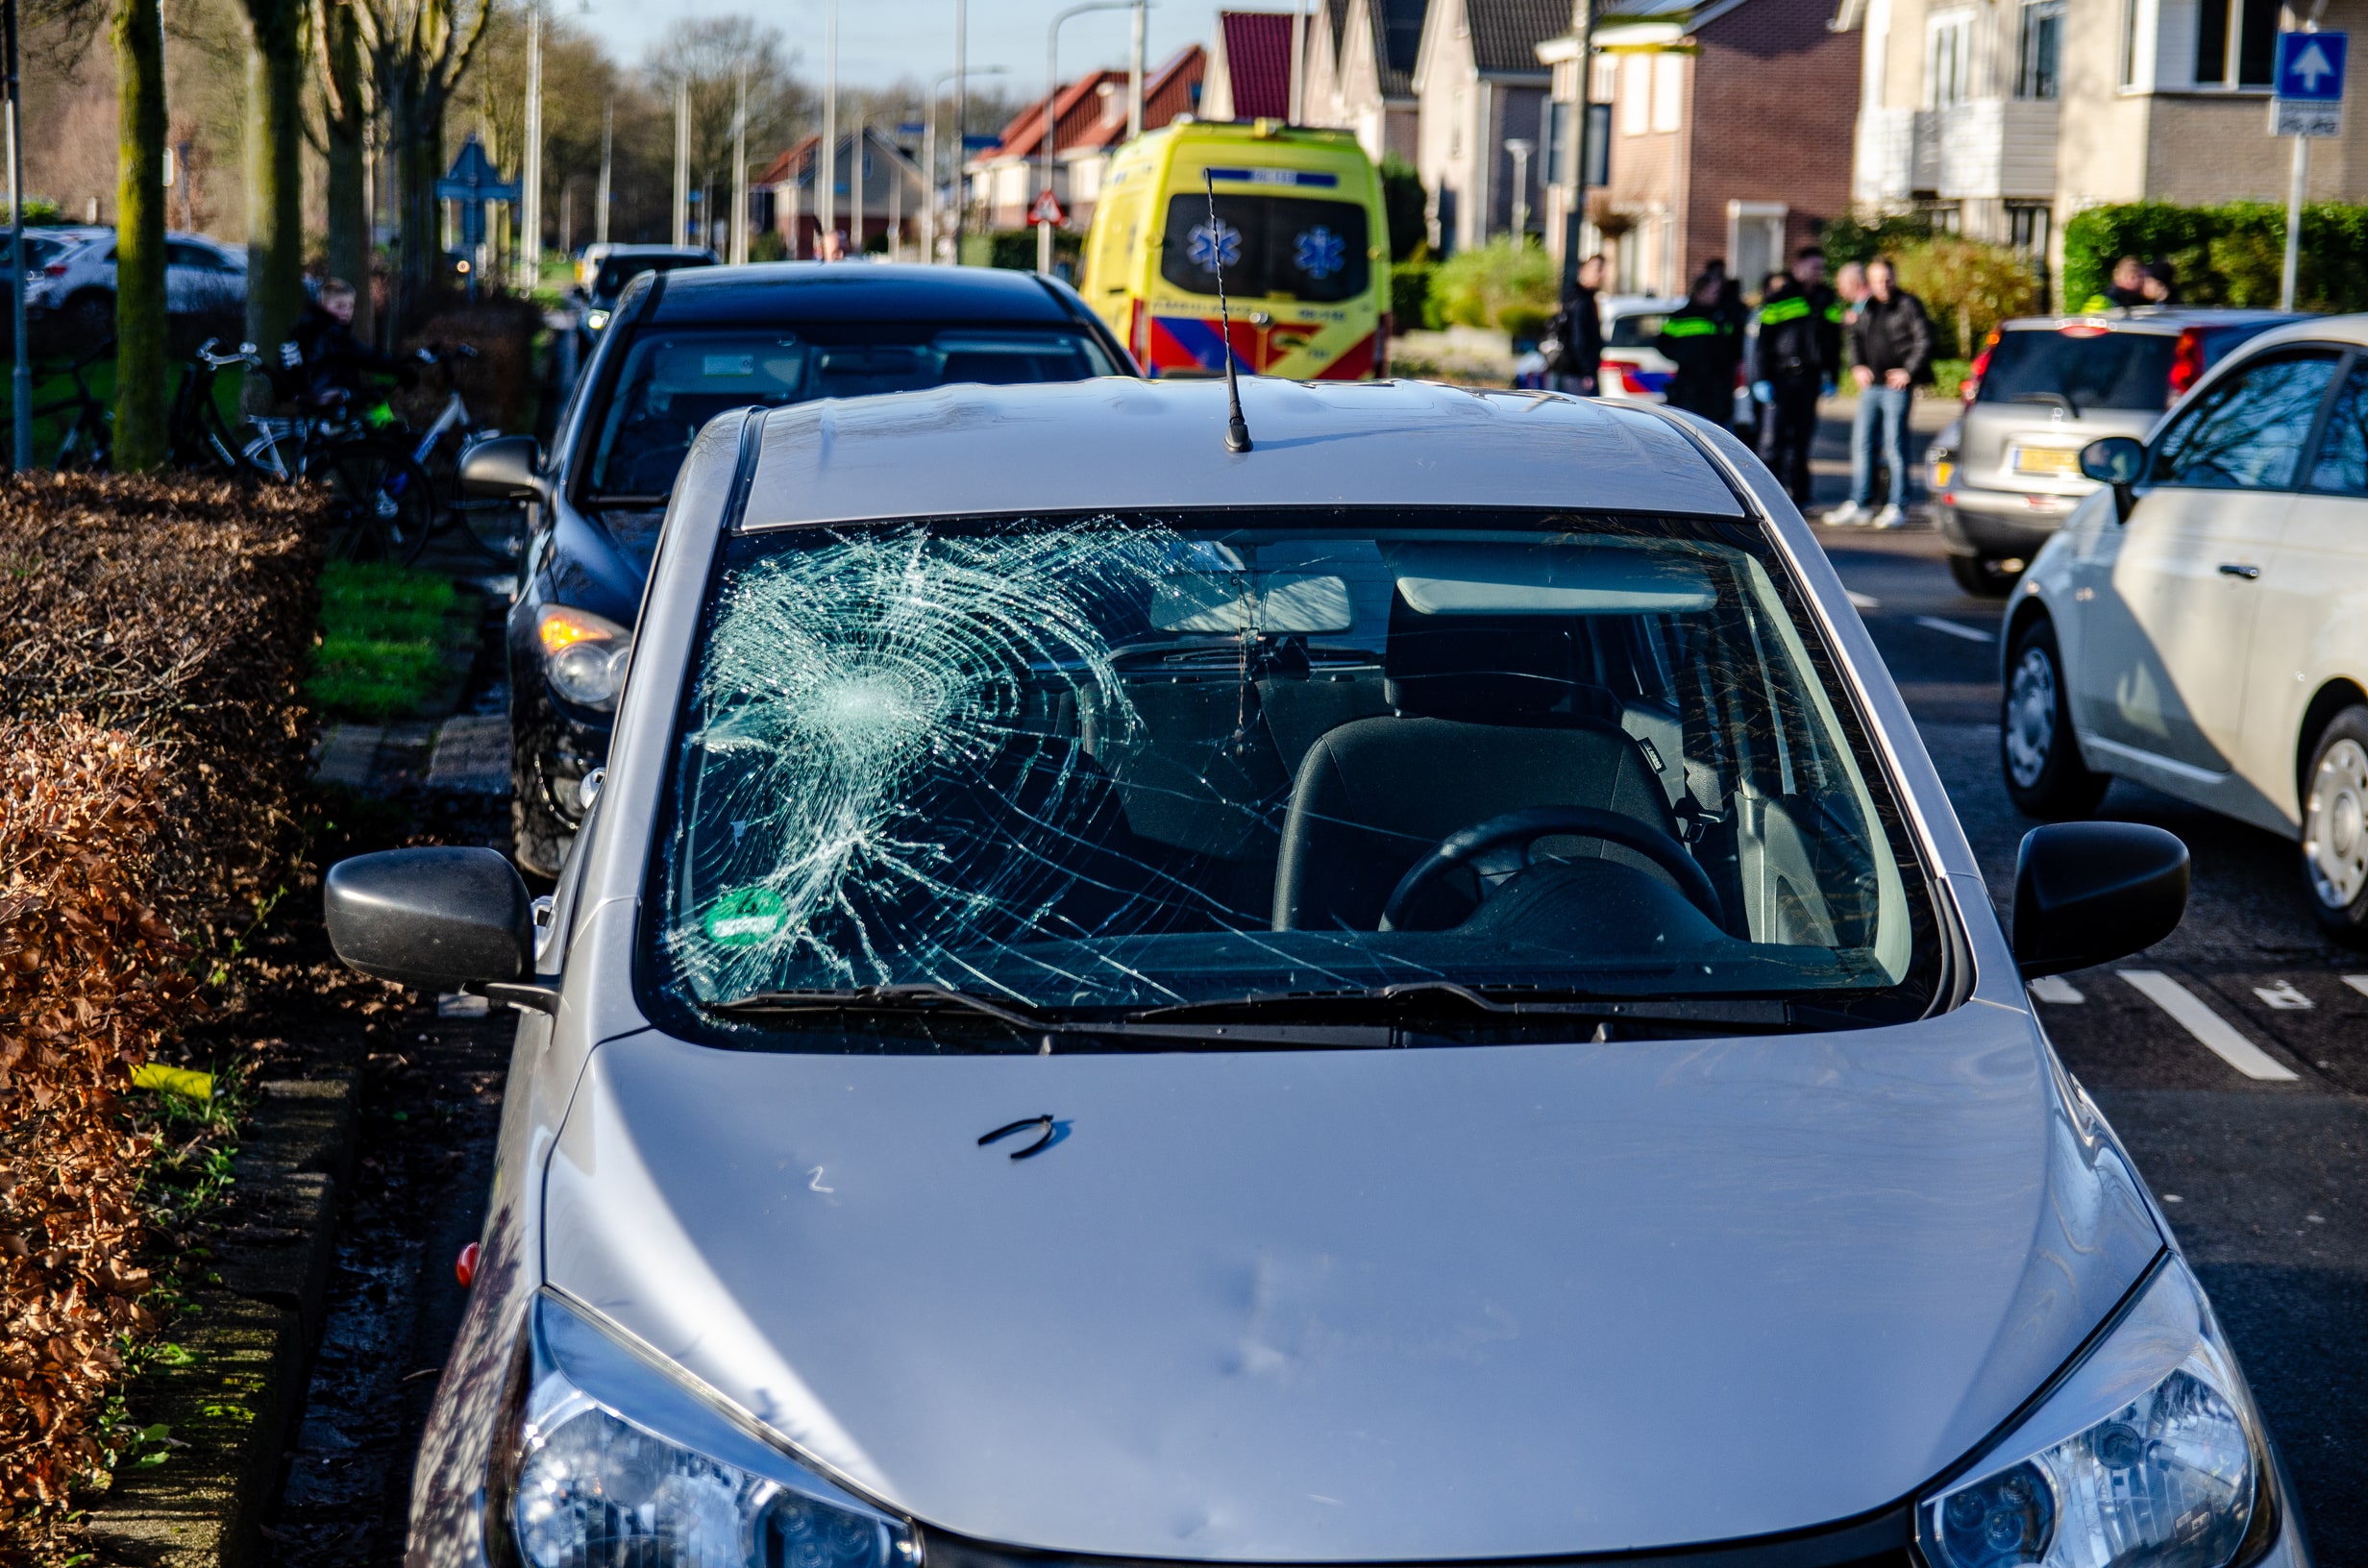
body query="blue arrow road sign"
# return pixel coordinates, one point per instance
(2311, 67)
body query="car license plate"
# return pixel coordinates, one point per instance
(2055, 462)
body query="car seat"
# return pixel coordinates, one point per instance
(1491, 715)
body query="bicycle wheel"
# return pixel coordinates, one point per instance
(385, 507)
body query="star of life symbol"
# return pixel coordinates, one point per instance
(1320, 253)
(1210, 248)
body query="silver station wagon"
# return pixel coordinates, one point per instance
(1408, 994)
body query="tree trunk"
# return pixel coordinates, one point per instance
(143, 388)
(417, 126)
(350, 238)
(275, 183)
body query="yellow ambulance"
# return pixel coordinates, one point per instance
(1298, 230)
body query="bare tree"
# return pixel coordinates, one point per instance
(709, 54)
(418, 51)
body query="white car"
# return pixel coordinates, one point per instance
(71, 280)
(1632, 370)
(2201, 623)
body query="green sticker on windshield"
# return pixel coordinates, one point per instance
(744, 918)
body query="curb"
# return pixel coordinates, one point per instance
(236, 1392)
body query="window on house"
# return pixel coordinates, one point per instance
(1560, 152)
(1607, 79)
(2129, 44)
(1668, 91)
(1635, 95)
(1948, 59)
(2237, 42)
(2041, 43)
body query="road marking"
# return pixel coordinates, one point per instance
(2283, 996)
(2215, 1032)
(1950, 628)
(2056, 988)
(1863, 602)
(2357, 982)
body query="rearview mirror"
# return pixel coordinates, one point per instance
(437, 919)
(2116, 460)
(2090, 893)
(504, 468)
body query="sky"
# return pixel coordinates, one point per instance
(881, 40)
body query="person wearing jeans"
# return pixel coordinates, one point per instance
(1891, 347)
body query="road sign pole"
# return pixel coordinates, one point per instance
(2294, 221)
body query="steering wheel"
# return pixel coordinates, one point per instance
(1500, 847)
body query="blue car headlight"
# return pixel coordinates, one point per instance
(612, 1460)
(2148, 1452)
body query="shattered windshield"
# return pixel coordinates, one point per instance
(1133, 767)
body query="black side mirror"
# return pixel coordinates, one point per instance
(2116, 460)
(504, 468)
(2090, 893)
(440, 919)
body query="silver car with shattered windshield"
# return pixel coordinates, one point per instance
(1407, 995)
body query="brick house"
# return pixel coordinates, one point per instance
(1361, 73)
(888, 204)
(1250, 66)
(1731, 122)
(2001, 120)
(1480, 84)
(1090, 115)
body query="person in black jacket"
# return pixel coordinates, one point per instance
(1799, 353)
(1891, 354)
(1575, 334)
(332, 360)
(1701, 338)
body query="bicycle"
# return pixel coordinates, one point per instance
(496, 527)
(90, 434)
(200, 437)
(384, 501)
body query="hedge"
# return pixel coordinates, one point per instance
(2228, 255)
(153, 744)
(89, 980)
(183, 613)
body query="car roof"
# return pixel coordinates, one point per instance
(605, 251)
(2153, 318)
(1122, 444)
(1642, 304)
(844, 291)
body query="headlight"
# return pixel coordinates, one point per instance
(2148, 1453)
(595, 320)
(614, 1461)
(583, 654)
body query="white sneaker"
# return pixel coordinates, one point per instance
(1845, 515)
(1890, 517)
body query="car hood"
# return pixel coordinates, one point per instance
(1361, 1306)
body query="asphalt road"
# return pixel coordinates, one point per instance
(2265, 1178)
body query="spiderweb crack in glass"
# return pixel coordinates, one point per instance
(847, 684)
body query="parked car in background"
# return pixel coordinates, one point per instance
(2200, 624)
(1634, 370)
(1406, 995)
(684, 346)
(2005, 473)
(70, 289)
(604, 270)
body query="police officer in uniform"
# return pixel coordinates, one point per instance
(1702, 339)
(1799, 354)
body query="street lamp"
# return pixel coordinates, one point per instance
(928, 158)
(827, 183)
(1520, 148)
(1051, 126)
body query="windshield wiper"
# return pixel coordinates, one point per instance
(929, 999)
(1746, 1014)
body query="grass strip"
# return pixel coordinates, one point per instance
(385, 630)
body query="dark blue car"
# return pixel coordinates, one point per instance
(682, 348)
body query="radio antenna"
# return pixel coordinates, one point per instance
(1236, 429)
